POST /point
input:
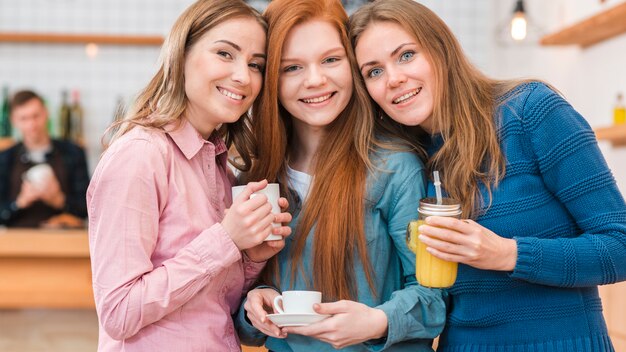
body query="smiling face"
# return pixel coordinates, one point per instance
(315, 82)
(224, 73)
(397, 74)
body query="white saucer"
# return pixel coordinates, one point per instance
(286, 319)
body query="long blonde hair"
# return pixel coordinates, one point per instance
(335, 205)
(163, 100)
(465, 102)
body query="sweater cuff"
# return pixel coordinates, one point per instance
(526, 266)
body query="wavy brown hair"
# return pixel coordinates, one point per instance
(163, 100)
(335, 205)
(465, 101)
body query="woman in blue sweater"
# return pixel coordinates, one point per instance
(351, 197)
(546, 222)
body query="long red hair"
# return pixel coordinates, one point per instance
(335, 205)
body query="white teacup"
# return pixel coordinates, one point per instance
(39, 175)
(297, 302)
(272, 192)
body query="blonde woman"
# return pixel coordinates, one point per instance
(546, 223)
(169, 265)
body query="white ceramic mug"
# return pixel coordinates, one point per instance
(272, 192)
(39, 175)
(297, 302)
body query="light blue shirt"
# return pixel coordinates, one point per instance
(415, 314)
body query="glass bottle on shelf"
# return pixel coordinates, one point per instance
(5, 119)
(50, 127)
(619, 110)
(65, 121)
(76, 113)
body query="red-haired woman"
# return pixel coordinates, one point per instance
(352, 195)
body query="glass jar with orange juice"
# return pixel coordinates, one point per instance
(431, 271)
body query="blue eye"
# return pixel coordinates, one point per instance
(291, 68)
(375, 72)
(407, 55)
(330, 60)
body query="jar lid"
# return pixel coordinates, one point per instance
(448, 207)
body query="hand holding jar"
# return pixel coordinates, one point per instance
(430, 270)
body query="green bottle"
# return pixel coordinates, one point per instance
(49, 126)
(65, 119)
(76, 119)
(5, 119)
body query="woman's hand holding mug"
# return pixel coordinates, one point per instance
(350, 323)
(269, 248)
(250, 221)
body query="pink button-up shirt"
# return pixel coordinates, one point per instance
(166, 275)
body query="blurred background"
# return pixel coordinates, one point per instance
(98, 54)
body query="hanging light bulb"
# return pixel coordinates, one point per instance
(518, 22)
(518, 28)
(91, 50)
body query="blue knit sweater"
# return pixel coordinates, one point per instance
(559, 201)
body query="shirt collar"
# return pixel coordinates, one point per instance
(36, 156)
(189, 141)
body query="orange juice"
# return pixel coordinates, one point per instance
(431, 271)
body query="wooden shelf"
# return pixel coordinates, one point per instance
(61, 38)
(44, 243)
(615, 134)
(602, 26)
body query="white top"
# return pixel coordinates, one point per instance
(38, 156)
(300, 182)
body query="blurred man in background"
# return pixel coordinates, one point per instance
(40, 177)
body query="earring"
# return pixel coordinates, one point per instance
(380, 115)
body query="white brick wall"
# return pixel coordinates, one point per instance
(472, 22)
(50, 68)
(124, 70)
